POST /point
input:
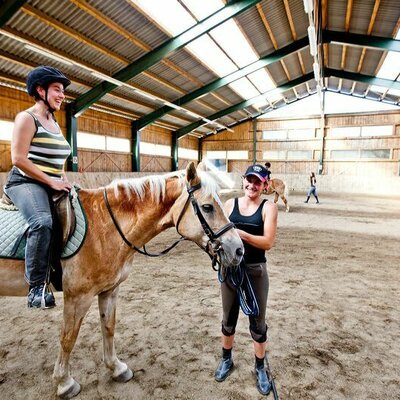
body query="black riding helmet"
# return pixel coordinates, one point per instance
(43, 76)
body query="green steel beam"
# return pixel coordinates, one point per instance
(282, 88)
(378, 42)
(135, 147)
(72, 162)
(368, 79)
(174, 152)
(8, 8)
(230, 10)
(217, 83)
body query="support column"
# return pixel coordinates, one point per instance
(254, 140)
(135, 147)
(200, 150)
(174, 152)
(72, 129)
(322, 129)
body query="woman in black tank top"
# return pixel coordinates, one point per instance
(256, 222)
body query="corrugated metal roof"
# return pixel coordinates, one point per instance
(164, 78)
(275, 14)
(252, 25)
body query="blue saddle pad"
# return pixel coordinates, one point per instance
(13, 228)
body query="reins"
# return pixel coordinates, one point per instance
(213, 247)
(131, 245)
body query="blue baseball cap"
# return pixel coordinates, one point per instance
(257, 170)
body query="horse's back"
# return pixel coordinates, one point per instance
(276, 185)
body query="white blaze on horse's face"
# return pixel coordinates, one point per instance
(212, 210)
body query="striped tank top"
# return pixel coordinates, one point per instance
(48, 150)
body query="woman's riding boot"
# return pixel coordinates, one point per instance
(316, 197)
(308, 198)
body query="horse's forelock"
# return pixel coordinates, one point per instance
(209, 185)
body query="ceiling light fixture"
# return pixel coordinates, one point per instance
(107, 78)
(308, 6)
(47, 54)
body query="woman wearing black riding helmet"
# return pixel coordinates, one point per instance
(38, 153)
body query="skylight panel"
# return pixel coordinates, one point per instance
(390, 67)
(394, 92)
(204, 8)
(244, 88)
(174, 18)
(167, 13)
(261, 80)
(211, 55)
(232, 40)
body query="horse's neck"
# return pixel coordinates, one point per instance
(141, 219)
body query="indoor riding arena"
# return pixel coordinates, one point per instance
(308, 86)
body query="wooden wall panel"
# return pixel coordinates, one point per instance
(5, 156)
(99, 161)
(382, 167)
(379, 118)
(362, 168)
(155, 163)
(105, 124)
(189, 142)
(156, 134)
(277, 124)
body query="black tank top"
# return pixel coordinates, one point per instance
(254, 225)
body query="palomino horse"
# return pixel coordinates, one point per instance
(278, 187)
(130, 211)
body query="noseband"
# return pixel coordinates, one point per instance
(213, 247)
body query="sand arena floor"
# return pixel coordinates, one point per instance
(334, 297)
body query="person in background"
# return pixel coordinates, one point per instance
(256, 222)
(38, 153)
(267, 167)
(313, 188)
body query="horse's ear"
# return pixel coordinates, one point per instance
(201, 166)
(191, 174)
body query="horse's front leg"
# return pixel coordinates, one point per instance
(276, 197)
(75, 310)
(107, 309)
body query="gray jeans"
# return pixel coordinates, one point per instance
(32, 199)
(258, 276)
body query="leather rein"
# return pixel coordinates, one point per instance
(213, 248)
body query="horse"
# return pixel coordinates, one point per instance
(122, 217)
(278, 187)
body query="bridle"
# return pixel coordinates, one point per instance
(213, 247)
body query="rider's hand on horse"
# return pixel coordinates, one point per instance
(61, 185)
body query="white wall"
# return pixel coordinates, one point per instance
(389, 186)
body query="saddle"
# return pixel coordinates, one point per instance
(63, 209)
(65, 214)
(70, 226)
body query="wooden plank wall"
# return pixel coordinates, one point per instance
(242, 139)
(13, 101)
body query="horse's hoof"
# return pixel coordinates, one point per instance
(125, 376)
(287, 210)
(69, 391)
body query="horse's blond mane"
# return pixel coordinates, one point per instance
(157, 185)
